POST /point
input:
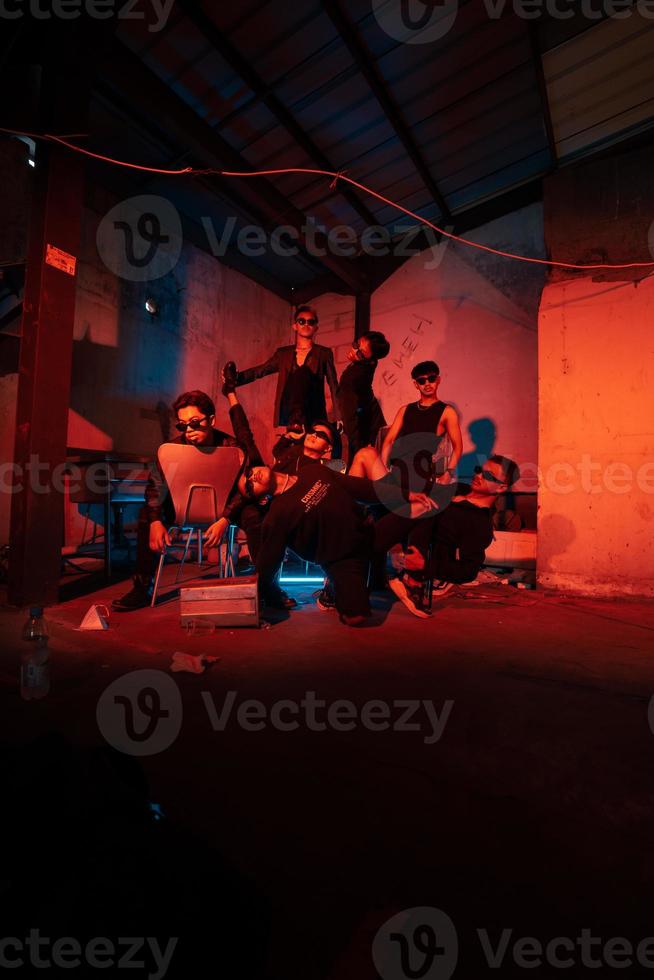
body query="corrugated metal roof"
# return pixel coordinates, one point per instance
(471, 105)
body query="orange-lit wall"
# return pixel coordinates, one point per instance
(476, 314)
(596, 424)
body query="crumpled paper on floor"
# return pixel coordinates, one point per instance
(191, 664)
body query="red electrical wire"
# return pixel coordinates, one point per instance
(336, 176)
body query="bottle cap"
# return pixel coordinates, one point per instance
(36, 610)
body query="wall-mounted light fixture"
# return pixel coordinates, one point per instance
(151, 306)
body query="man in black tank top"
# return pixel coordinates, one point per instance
(424, 442)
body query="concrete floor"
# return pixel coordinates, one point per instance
(533, 811)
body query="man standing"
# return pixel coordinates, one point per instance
(195, 413)
(360, 411)
(414, 442)
(302, 369)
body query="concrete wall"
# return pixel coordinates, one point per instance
(475, 314)
(596, 365)
(596, 518)
(128, 366)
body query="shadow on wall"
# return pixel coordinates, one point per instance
(482, 433)
(555, 535)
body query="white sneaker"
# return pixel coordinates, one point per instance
(441, 589)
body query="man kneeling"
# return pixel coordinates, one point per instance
(317, 515)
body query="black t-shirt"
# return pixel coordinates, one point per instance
(319, 519)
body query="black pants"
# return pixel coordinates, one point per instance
(360, 424)
(349, 576)
(392, 529)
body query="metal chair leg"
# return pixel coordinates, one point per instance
(229, 557)
(156, 579)
(184, 556)
(200, 553)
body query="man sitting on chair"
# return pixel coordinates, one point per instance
(195, 413)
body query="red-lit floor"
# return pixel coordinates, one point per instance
(533, 811)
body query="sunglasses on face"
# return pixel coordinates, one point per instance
(426, 378)
(321, 435)
(249, 483)
(193, 424)
(487, 475)
(306, 322)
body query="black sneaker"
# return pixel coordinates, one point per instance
(325, 598)
(440, 589)
(229, 378)
(138, 597)
(413, 597)
(280, 600)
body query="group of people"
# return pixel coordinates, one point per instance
(342, 514)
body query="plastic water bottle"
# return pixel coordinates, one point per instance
(34, 661)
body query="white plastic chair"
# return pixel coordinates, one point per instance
(199, 480)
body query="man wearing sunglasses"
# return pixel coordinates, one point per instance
(195, 413)
(449, 548)
(302, 370)
(292, 452)
(316, 513)
(416, 441)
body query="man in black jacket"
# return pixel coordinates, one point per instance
(302, 370)
(195, 413)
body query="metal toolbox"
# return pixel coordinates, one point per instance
(228, 602)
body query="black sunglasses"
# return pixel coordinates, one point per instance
(487, 475)
(423, 379)
(193, 424)
(248, 473)
(310, 322)
(321, 434)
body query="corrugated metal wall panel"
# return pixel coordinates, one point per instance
(601, 83)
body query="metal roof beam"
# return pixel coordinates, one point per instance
(127, 73)
(257, 85)
(374, 79)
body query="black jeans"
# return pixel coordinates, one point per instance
(349, 576)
